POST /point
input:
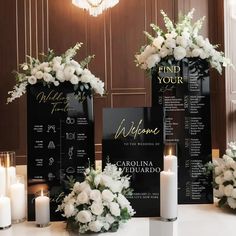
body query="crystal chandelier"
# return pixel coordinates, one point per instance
(95, 7)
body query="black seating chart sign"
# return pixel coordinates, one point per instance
(182, 89)
(133, 140)
(60, 139)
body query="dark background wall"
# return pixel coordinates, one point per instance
(29, 27)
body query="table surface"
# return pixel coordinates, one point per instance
(194, 220)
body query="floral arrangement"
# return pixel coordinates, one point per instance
(53, 70)
(224, 177)
(181, 40)
(98, 204)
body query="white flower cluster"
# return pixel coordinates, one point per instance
(98, 204)
(55, 70)
(180, 41)
(225, 177)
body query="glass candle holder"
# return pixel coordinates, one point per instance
(42, 208)
(18, 199)
(3, 178)
(8, 161)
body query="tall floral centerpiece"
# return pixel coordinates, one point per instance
(54, 70)
(179, 41)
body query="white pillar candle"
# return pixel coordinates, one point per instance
(11, 174)
(42, 210)
(5, 212)
(17, 196)
(2, 181)
(171, 163)
(168, 200)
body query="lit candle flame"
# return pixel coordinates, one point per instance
(41, 192)
(170, 152)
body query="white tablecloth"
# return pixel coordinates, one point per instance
(193, 220)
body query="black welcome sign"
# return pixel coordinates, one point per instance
(182, 90)
(60, 139)
(133, 140)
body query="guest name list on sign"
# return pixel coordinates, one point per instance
(186, 104)
(60, 140)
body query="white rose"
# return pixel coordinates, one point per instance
(234, 193)
(84, 186)
(60, 76)
(57, 60)
(106, 180)
(179, 53)
(69, 72)
(97, 208)
(126, 183)
(228, 175)
(219, 180)
(32, 80)
(228, 190)
(39, 74)
(115, 209)
(84, 216)
(183, 42)
(34, 71)
(85, 78)
(203, 55)
(232, 145)
(43, 65)
(95, 226)
(197, 52)
(57, 66)
(157, 42)
(79, 70)
(218, 170)
(107, 195)
(153, 60)
(110, 219)
(76, 187)
(122, 200)
(170, 43)
(148, 51)
(200, 41)
(74, 63)
(106, 226)
(97, 180)
(47, 77)
(218, 193)
(164, 52)
(74, 79)
(116, 186)
(229, 152)
(231, 202)
(25, 67)
(233, 165)
(82, 198)
(95, 195)
(69, 210)
(222, 189)
(47, 69)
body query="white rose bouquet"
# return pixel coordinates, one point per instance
(98, 204)
(54, 70)
(181, 40)
(224, 177)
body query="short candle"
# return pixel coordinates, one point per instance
(2, 180)
(42, 210)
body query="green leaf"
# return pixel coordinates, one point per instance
(115, 226)
(222, 201)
